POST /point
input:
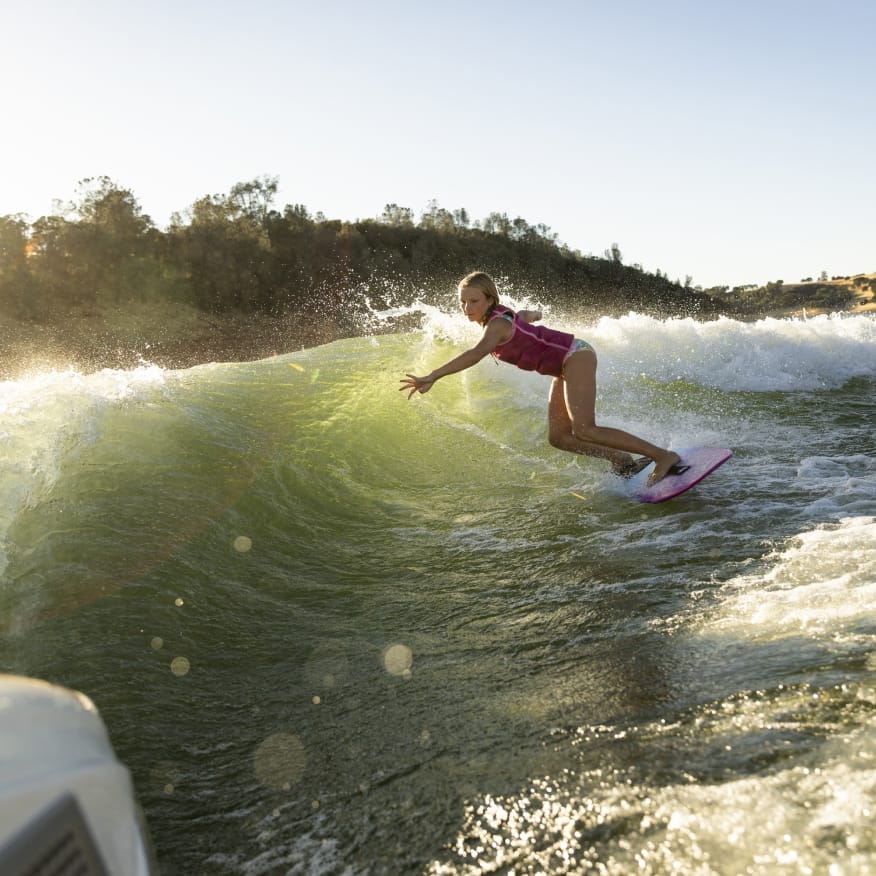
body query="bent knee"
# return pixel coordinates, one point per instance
(586, 431)
(558, 439)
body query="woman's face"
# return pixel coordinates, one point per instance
(474, 303)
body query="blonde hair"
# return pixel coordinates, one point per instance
(484, 282)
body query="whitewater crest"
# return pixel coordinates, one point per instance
(286, 577)
(47, 419)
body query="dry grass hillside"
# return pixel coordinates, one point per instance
(860, 288)
(866, 299)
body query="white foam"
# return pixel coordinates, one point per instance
(801, 819)
(823, 584)
(46, 419)
(768, 355)
(763, 356)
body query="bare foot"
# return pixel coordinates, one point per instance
(664, 462)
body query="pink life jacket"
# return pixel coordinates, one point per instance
(532, 347)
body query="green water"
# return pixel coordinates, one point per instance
(334, 631)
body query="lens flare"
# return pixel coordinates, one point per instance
(242, 544)
(280, 761)
(398, 659)
(180, 666)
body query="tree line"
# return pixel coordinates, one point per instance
(237, 253)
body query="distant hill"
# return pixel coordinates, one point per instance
(851, 294)
(98, 284)
(859, 290)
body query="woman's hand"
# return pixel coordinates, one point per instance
(529, 315)
(414, 384)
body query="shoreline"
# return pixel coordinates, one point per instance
(88, 343)
(91, 343)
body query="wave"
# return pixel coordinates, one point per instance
(347, 438)
(648, 672)
(822, 583)
(770, 355)
(767, 355)
(47, 420)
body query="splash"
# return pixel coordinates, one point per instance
(47, 419)
(769, 355)
(822, 584)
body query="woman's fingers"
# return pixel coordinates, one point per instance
(415, 384)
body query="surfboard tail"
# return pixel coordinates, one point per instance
(697, 462)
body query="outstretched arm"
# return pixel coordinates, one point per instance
(424, 384)
(529, 315)
(497, 332)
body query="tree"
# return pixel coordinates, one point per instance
(114, 242)
(110, 208)
(16, 284)
(400, 217)
(521, 229)
(54, 263)
(614, 254)
(226, 247)
(254, 198)
(13, 244)
(436, 218)
(497, 223)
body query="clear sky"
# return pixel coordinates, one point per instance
(733, 142)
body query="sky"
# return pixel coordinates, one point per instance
(726, 142)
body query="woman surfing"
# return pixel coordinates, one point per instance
(512, 337)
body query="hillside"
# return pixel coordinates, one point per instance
(99, 285)
(852, 294)
(860, 289)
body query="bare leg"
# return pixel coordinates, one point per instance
(579, 384)
(562, 436)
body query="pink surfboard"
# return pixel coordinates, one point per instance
(702, 461)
